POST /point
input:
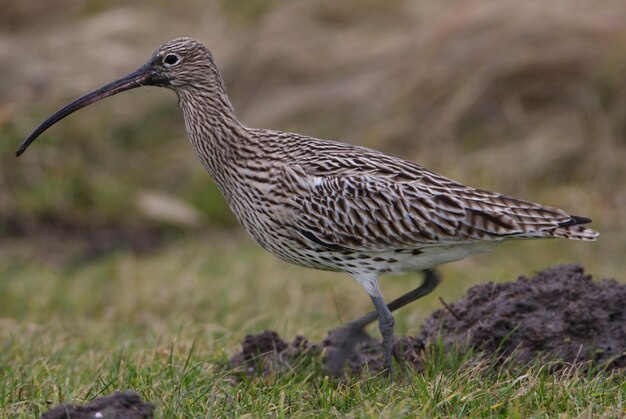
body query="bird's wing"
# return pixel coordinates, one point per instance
(379, 212)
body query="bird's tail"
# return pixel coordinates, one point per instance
(576, 232)
(573, 229)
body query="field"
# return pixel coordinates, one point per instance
(122, 268)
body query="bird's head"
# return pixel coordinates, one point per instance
(179, 64)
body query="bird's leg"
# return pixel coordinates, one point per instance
(343, 340)
(430, 282)
(385, 324)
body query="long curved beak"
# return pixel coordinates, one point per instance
(141, 77)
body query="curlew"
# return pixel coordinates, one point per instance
(330, 205)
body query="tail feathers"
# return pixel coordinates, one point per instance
(575, 220)
(572, 229)
(575, 232)
(501, 216)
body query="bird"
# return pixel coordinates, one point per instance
(330, 205)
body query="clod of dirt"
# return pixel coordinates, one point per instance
(560, 314)
(266, 352)
(118, 405)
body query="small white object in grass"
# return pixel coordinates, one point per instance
(98, 415)
(166, 208)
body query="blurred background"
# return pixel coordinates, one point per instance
(524, 98)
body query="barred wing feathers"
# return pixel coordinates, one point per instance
(370, 212)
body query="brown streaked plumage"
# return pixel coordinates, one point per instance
(330, 205)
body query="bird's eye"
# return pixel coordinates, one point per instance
(171, 59)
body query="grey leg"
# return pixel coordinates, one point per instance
(431, 280)
(385, 324)
(343, 340)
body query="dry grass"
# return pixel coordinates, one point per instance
(525, 99)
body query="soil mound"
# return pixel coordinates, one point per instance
(118, 405)
(559, 315)
(266, 352)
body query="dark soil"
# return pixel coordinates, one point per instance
(118, 405)
(266, 352)
(559, 315)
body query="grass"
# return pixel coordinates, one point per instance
(183, 383)
(164, 324)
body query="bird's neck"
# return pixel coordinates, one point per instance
(214, 131)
